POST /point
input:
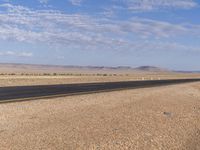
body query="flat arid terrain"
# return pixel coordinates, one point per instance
(18, 80)
(152, 118)
(165, 117)
(20, 74)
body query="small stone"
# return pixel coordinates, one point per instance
(167, 113)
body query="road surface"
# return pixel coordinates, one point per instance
(23, 93)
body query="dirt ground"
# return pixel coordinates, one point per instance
(165, 118)
(18, 80)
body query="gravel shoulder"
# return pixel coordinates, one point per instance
(153, 118)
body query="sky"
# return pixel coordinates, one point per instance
(162, 33)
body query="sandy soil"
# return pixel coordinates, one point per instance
(46, 80)
(18, 80)
(150, 119)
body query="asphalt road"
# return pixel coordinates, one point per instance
(23, 93)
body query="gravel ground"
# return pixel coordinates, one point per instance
(47, 80)
(17, 80)
(150, 119)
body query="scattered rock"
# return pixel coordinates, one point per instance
(167, 113)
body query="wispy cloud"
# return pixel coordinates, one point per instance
(76, 2)
(53, 27)
(143, 5)
(16, 54)
(43, 1)
(152, 5)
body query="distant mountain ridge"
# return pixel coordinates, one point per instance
(150, 68)
(187, 71)
(141, 68)
(16, 66)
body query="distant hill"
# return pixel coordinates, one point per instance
(11, 67)
(46, 67)
(187, 71)
(150, 68)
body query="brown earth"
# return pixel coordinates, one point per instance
(23, 74)
(153, 118)
(19, 80)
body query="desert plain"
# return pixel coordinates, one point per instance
(23, 74)
(165, 118)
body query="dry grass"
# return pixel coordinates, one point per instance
(155, 118)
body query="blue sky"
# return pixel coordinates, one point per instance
(163, 33)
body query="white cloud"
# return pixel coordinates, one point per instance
(43, 1)
(18, 23)
(16, 54)
(151, 5)
(76, 2)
